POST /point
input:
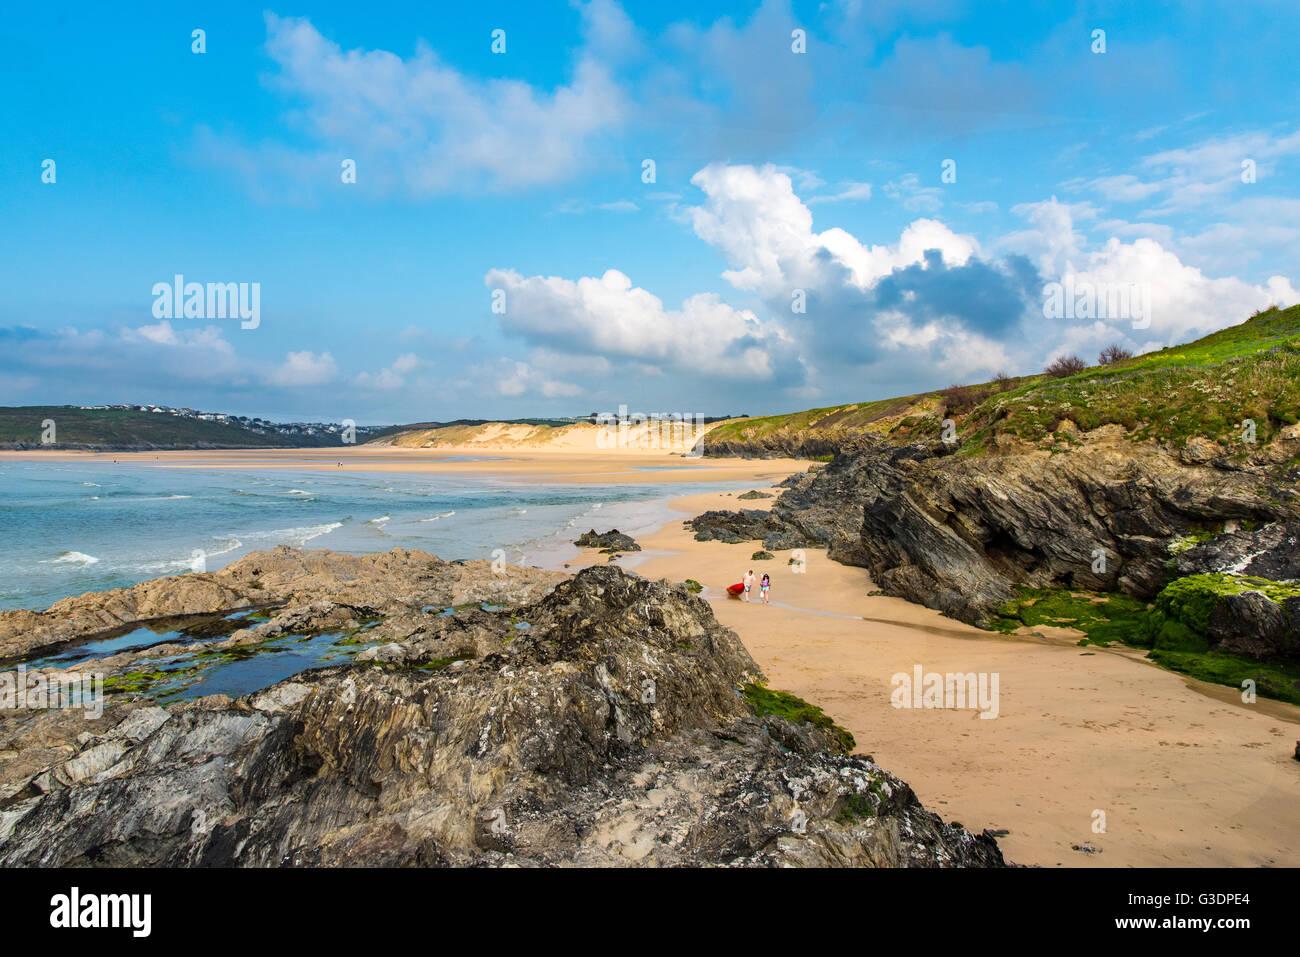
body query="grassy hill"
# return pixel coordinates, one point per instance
(120, 429)
(1202, 388)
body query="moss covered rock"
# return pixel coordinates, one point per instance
(1244, 615)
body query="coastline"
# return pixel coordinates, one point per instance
(1185, 773)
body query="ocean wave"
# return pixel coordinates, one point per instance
(230, 545)
(147, 498)
(438, 516)
(197, 560)
(72, 558)
(378, 521)
(295, 536)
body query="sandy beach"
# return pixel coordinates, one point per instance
(539, 464)
(1185, 774)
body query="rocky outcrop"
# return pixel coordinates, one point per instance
(958, 533)
(611, 541)
(1236, 592)
(382, 584)
(611, 732)
(1271, 552)
(747, 525)
(1246, 616)
(778, 446)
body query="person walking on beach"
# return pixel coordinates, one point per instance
(763, 586)
(749, 583)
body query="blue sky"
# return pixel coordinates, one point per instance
(780, 178)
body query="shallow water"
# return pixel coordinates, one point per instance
(189, 630)
(242, 671)
(72, 527)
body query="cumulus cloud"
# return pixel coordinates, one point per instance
(607, 316)
(753, 216)
(391, 378)
(1184, 301)
(304, 368)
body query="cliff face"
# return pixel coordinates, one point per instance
(597, 722)
(776, 446)
(959, 533)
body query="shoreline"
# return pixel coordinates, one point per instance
(519, 464)
(1186, 775)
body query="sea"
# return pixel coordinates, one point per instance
(67, 528)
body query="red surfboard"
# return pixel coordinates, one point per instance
(735, 590)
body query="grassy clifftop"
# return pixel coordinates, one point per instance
(1208, 388)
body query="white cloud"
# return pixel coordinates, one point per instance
(391, 378)
(304, 368)
(1124, 188)
(418, 125)
(579, 206)
(915, 198)
(754, 218)
(609, 317)
(511, 378)
(849, 191)
(1185, 303)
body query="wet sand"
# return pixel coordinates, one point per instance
(523, 464)
(1185, 774)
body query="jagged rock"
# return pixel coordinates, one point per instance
(608, 542)
(745, 496)
(1245, 616)
(958, 533)
(385, 583)
(610, 733)
(1272, 552)
(747, 525)
(778, 446)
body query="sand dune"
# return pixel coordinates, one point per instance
(651, 438)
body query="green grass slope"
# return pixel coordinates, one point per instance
(1204, 388)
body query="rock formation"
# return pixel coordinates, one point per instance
(958, 533)
(613, 730)
(608, 542)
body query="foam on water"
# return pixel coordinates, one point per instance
(56, 541)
